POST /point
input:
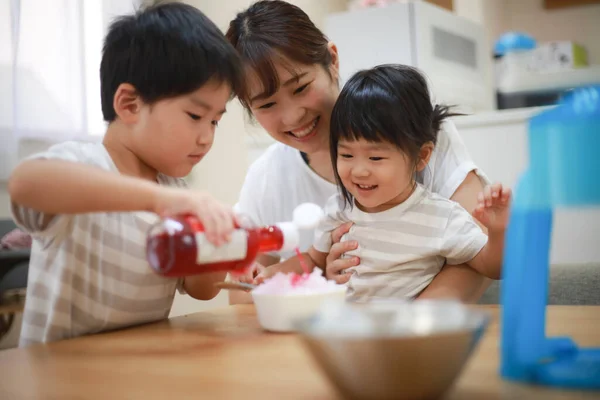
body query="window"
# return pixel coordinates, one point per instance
(50, 55)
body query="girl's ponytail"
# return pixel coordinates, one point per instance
(439, 115)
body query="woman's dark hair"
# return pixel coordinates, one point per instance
(165, 50)
(388, 103)
(275, 30)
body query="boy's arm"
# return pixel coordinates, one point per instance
(63, 187)
(201, 287)
(54, 187)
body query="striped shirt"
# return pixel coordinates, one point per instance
(403, 248)
(88, 272)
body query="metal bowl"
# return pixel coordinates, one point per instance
(393, 350)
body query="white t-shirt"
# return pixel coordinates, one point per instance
(280, 180)
(402, 249)
(88, 272)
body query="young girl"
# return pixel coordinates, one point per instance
(383, 132)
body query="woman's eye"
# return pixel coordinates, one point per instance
(215, 123)
(194, 116)
(265, 106)
(375, 158)
(301, 88)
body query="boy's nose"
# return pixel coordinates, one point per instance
(205, 138)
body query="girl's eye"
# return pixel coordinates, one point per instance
(301, 88)
(194, 116)
(346, 155)
(265, 106)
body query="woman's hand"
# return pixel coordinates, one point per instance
(335, 265)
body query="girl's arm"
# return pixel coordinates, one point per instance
(461, 281)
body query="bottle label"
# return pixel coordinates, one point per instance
(236, 249)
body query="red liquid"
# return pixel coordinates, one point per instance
(175, 254)
(302, 261)
(298, 279)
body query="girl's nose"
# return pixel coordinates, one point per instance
(360, 171)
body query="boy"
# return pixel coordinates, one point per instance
(167, 73)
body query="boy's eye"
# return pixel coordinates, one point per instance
(301, 88)
(265, 106)
(194, 116)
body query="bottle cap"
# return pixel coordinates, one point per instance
(291, 236)
(308, 216)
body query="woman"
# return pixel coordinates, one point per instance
(292, 73)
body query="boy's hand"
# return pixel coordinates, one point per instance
(218, 219)
(493, 207)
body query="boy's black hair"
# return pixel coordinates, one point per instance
(388, 103)
(165, 50)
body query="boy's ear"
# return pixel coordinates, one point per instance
(127, 103)
(424, 156)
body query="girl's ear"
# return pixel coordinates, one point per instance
(424, 156)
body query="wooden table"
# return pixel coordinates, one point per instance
(223, 354)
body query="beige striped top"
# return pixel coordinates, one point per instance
(88, 273)
(403, 248)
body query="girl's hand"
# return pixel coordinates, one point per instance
(266, 273)
(249, 275)
(493, 208)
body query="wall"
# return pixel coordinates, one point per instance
(581, 24)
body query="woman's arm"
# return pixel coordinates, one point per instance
(460, 281)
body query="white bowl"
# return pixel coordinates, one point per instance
(280, 313)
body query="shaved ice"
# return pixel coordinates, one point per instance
(294, 284)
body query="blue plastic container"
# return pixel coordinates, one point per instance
(564, 170)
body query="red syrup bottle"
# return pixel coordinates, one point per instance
(177, 247)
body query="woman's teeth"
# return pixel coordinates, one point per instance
(305, 131)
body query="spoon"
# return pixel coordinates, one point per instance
(246, 287)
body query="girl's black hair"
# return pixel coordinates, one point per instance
(387, 103)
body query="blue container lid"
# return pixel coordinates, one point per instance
(513, 41)
(580, 103)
